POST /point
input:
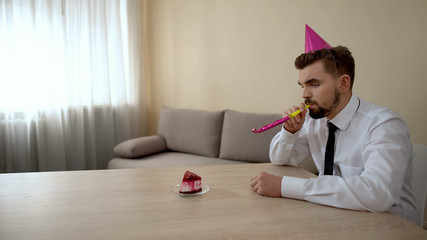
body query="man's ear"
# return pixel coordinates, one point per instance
(344, 83)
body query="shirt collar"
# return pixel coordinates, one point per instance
(343, 118)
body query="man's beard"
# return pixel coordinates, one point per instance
(323, 112)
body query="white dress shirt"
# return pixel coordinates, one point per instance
(372, 166)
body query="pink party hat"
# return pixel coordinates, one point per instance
(313, 41)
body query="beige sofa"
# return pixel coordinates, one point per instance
(188, 137)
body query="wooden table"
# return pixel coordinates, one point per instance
(138, 204)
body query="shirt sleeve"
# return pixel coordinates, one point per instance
(386, 156)
(288, 149)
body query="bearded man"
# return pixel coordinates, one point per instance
(361, 150)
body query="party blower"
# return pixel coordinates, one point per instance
(277, 122)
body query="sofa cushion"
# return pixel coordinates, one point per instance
(239, 143)
(142, 146)
(191, 131)
(168, 159)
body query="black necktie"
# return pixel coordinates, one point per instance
(330, 149)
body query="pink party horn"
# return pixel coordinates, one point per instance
(277, 122)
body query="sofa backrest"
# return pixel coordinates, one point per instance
(191, 131)
(239, 143)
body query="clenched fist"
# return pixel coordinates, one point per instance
(267, 184)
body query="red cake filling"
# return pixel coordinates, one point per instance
(191, 183)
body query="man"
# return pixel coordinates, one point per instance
(371, 166)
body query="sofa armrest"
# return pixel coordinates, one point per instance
(139, 147)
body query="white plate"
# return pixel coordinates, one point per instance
(175, 189)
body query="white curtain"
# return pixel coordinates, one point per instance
(70, 77)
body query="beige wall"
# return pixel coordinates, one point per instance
(238, 54)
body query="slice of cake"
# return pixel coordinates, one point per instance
(191, 183)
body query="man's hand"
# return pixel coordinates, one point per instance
(267, 185)
(294, 124)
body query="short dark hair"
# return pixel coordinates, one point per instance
(337, 60)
